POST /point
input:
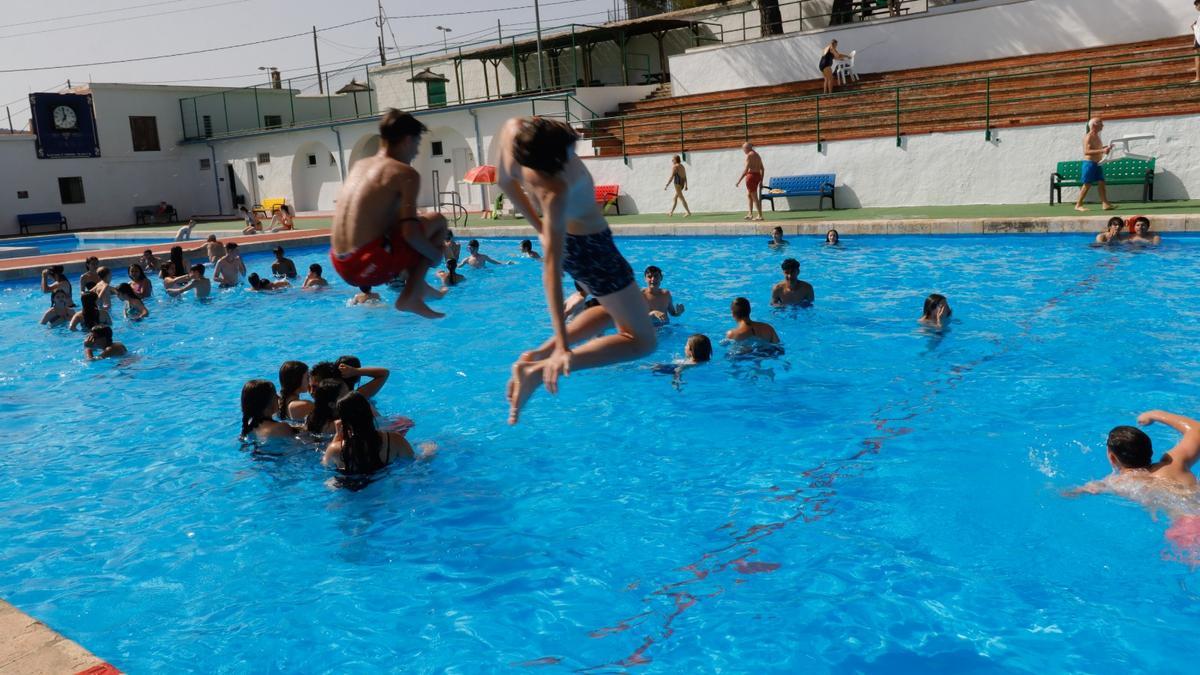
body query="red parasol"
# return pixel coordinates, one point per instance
(481, 175)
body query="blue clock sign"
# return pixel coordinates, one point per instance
(64, 125)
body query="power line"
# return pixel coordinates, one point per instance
(187, 53)
(482, 11)
(123, 19)
(95, 13)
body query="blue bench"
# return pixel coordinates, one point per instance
(28, 220)
(817, 185)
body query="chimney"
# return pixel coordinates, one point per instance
(276, 80)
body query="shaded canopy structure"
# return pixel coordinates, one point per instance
(577, 44)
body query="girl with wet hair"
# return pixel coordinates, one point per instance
(91, 314)
(937, 311)
(174, 268)
(325, 397)
(135, 309)
(293, 380)
(358, 447)
(259, 406)
(137, 279)
(60, 309)
(55, 279)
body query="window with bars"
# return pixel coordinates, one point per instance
(71, 190)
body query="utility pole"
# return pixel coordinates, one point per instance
(500, 34)
(537, 19)
(10, 126)
(317, 53)
(379, 22)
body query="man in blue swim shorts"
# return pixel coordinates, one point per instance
(1094, 151)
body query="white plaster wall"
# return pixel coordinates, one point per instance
(120, 178)
(955, 34)
(929, 170)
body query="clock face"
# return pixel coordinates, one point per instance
(64, 118)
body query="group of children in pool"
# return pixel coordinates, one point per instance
(98, 290)
(338, 418)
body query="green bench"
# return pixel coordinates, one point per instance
(1124, 171)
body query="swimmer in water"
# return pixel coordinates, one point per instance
(792, 292)
(358, 447)
(527, 250)
(229, 270)
(196, 282)
(748, 330)
(258, 283)
(260, 404)
(477, 260)
(135, 309)
(452, 250)
(293, 380)
(60, 309)
(937, 312)
(139, 282)
(662, 305)
(213, 249)
(1113, 234)
(314, 278)
(538, 162)
(283, 266)
(832, 238)
(777, 240)
(365, 296)
(698, 350)
(55, 279)
(104, 288)
(148, 261)
(99, 344)
(1132, 458)
(450, 275)
(89, 277)
(1142, 234)
(377, 233)
(91, 314)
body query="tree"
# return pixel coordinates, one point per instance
(770, 17)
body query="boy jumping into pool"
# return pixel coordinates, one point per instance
(377, 233)
(538, 162)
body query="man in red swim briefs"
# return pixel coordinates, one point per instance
(753, 175)
(377, 233)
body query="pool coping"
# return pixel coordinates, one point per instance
(23, 268)
(30, 646)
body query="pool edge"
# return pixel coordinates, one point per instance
(30, 646)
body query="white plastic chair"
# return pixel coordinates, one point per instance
(844, 70)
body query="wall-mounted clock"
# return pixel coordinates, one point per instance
(65, 118)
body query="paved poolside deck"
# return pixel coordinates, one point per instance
(30, 647)
(314, 230)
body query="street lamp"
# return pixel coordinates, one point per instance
(271, 74)
(444, 31)
(537, 20)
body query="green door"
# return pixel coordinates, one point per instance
(437, 94)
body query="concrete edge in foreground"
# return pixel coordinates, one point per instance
(30, 647)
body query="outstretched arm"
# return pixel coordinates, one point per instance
(1187, 450)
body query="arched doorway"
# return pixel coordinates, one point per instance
(444, 158)
(365, 147)
(315, 177)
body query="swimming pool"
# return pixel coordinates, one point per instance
(66, 243)
(878, 500)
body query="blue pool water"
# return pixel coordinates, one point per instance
(878, 500)
(67, 243)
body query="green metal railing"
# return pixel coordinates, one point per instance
(992, 93)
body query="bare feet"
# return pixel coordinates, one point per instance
(1081, 208)
(1108, 207)
(416, 306)
(525, 380)
(748, 218)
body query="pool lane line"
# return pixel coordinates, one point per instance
(813, 506)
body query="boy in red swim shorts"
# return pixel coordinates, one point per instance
(377, 233)
(753, 175)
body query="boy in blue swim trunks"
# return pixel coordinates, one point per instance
(538, 162)
(1094, 151)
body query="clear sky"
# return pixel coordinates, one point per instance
(37, 34)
